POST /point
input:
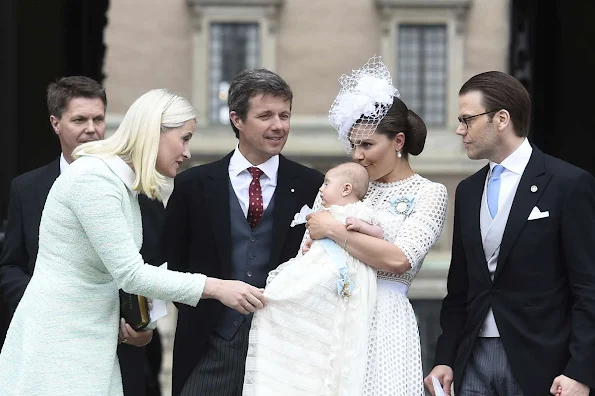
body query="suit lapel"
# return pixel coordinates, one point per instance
(46, 180)
(475, 197)
(286, 193)
(216, 191)
(524, 201)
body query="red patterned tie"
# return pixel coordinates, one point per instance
(255, 207)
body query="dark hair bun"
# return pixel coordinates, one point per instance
(415, 138)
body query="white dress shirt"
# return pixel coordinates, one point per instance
(63, 163)
(514, 166)
(241, 178)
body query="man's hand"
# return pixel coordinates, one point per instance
(444, 374)
(237, 295)
(131, 337)
(565, 386)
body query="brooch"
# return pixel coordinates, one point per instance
(402, 205)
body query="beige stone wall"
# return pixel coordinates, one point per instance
(148, 46)
(319, 40)
(487, 37)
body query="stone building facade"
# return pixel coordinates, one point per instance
(195, 47)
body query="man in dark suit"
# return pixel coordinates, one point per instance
(519, 316)
(4, 316)
(230, 219)
(77, 107)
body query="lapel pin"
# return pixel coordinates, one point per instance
(293, 190)
(534, 188)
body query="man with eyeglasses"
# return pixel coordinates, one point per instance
(519, 316)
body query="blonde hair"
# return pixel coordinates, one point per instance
(136, 140)
(355, 174)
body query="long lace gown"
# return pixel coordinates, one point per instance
(412, 216)
(317, 318)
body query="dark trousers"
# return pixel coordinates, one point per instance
(488, 372)
(220, 371)
(140, 367)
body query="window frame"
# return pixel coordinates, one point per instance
(264, 13)
(451, 13)
(421, 28)
(254, 57)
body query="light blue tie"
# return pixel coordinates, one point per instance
(494, 190)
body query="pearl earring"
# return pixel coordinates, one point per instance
(399, 154)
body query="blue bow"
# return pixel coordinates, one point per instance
(344, 284)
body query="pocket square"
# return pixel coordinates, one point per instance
(537, 214)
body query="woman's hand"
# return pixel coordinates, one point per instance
(131, 337)
(237, 295)
(320, 224)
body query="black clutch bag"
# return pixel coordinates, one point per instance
(134, 309)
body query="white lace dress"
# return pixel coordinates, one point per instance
(394, 357)
(317, 319)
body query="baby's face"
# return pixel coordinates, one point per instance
(331, 191)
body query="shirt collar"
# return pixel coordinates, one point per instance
(121, 169)
(518, 160)
(167, 189)
(63, 163)
(238, 163)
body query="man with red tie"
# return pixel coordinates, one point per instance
(230, 219)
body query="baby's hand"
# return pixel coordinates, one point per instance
(307, 246)
(353, 224)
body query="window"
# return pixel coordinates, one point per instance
(228, 36)
(422, 70)
(233, 47)
(423, 43)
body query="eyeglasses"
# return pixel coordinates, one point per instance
(464, 120)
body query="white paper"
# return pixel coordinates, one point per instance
(438, 391)
(300, 217)
(159, 309)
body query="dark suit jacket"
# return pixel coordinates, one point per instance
(3, 306)
(543, 293)
(197, 239)
(28, 194)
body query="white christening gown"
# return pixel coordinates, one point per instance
(316, 321)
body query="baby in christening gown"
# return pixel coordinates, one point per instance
(312, 336)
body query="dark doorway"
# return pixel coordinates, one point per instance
(552, 53)
(40, 41)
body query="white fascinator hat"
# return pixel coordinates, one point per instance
(362, 102)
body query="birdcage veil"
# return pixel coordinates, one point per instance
(362, 102)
